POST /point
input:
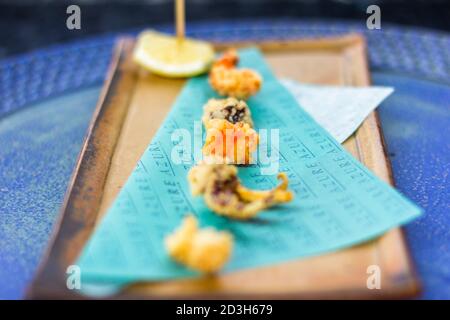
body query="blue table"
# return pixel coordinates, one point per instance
(47, 98)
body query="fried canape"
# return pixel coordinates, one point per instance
(205, 250)
(228, 143)
(224, 194)
(228, 80)
(230, 109)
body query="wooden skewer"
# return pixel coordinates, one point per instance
(179, 19)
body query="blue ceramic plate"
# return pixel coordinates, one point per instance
(47, 98)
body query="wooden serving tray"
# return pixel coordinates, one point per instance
(131, 108)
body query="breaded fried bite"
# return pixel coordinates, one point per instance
(230, 109)
(225, 195)
(228, 143)
(205, 250)
(228, 80)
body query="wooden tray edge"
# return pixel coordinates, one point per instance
(75, 187)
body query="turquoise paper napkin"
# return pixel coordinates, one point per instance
(338, 202)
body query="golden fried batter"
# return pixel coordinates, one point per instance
(205, 250)
(224, 194)
(228, 80)
(229, 109)
(228, 143)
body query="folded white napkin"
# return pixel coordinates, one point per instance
(340, 110)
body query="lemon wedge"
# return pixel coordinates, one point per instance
(168, 56)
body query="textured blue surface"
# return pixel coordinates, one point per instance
(40, 139)
(416, 125)
(43, 73)
(40, 145)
